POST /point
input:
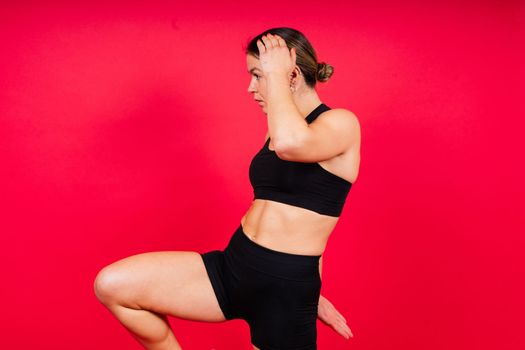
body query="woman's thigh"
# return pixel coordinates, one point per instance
(173, 283)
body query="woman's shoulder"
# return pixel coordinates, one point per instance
(341, 112)
(341, 118)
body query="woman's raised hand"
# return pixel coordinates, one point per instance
(274, 55)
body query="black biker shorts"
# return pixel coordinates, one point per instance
(276, 293)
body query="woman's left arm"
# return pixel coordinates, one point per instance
(329, 315)
(320, 266)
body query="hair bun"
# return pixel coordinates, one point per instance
(324, 71)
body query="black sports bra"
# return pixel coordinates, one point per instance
(305, 185)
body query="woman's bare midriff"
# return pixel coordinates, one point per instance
(287, 228)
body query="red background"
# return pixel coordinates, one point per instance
(127, 128)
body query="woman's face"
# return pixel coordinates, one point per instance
(258, 81)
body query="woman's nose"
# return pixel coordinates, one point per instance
(251, 87)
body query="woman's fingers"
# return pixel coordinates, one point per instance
(267, 41)
(346, 330)
(271, 40)
(337, 313)
(331, 316)
(261, 47)
(279, 41)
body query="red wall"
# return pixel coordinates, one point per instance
(127, 128)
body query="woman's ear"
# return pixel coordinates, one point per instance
(295, 74)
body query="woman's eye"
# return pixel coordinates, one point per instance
(256, 77)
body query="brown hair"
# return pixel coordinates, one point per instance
(306, 58)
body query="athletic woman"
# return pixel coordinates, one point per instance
(269, 274)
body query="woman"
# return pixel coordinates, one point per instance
(270, 272)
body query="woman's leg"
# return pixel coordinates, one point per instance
(142, 289)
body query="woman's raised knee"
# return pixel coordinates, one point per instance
(109, 284)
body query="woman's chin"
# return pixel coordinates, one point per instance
(262, 105)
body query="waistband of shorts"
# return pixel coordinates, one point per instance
(240, 237)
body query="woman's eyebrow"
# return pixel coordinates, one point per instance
(254, 68)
